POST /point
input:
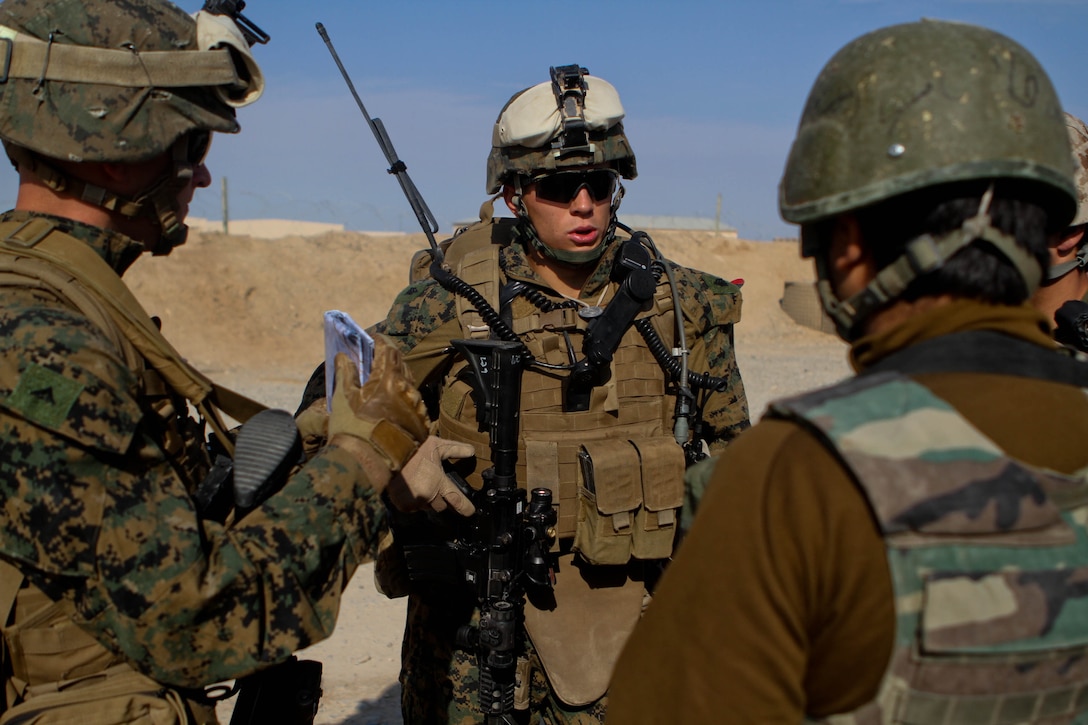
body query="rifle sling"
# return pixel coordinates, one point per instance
(35, 239)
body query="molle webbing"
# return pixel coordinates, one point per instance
(479, 267)
(548, 455)
(988, 558)
(632, 405)
(40, 240)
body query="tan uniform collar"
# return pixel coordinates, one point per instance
(1023, 322)
(515, 264)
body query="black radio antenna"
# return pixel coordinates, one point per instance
(396, 166)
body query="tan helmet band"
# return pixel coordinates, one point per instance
(26, 57)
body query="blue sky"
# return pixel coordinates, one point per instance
(713, 92)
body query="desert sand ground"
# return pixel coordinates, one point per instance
(247, 312)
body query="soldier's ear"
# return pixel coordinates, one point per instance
(114, 173)
(129, 179)
(851, 263)
(508, 192)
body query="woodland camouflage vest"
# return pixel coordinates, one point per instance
(988, 558)
(615, 470)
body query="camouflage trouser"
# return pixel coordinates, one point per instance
(440, 682)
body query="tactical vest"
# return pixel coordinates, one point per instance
(615, 470)
(988, 559)
(56, 667)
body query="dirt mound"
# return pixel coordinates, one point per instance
(242, 303)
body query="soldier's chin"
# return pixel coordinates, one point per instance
(165, 243)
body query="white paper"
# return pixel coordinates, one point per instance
(342, 334)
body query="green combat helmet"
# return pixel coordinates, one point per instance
(916, 105)
(573, 121)
(119, 81)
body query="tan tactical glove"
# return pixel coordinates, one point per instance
(424, 484)
(313, 426)
(384, 417)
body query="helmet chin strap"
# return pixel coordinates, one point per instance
(530, 234)
(921, 256)
(159, 203)
(1080, 261)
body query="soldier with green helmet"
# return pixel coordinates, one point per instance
(909, 545)
(610, 439)
(1066, 285)
(127, 582)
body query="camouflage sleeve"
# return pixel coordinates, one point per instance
(191, 602)
(96, 509)
(422, 321)
(711, 307)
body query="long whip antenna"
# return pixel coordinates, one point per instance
(396, 166)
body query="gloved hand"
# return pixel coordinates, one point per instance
(313, 426)
(424, 484)
(387, 414)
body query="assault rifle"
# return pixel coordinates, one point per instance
(233, 9)
(506, 546)
(1072, 325)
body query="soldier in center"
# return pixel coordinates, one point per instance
(614, 405)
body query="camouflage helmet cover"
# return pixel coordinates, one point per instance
(117, 80)
(1078, 138)
(528, 137)
(920, 104)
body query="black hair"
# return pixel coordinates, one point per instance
(978, 271)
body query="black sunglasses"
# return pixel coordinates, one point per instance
(198, 143)
(563, 186)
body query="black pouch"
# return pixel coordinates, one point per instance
(287, 693)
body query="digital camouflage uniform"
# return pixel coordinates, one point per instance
(98, 470)
(122, 600)
(440, 680)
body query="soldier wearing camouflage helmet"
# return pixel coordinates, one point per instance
(555, 271)
(128, 582)
(906, 546)
(1066, 283)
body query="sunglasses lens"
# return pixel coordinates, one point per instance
(199, 142)
(601, 184)
(564, 186)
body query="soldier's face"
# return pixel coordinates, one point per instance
(136, 179)
(202, 178)
(577, 225)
